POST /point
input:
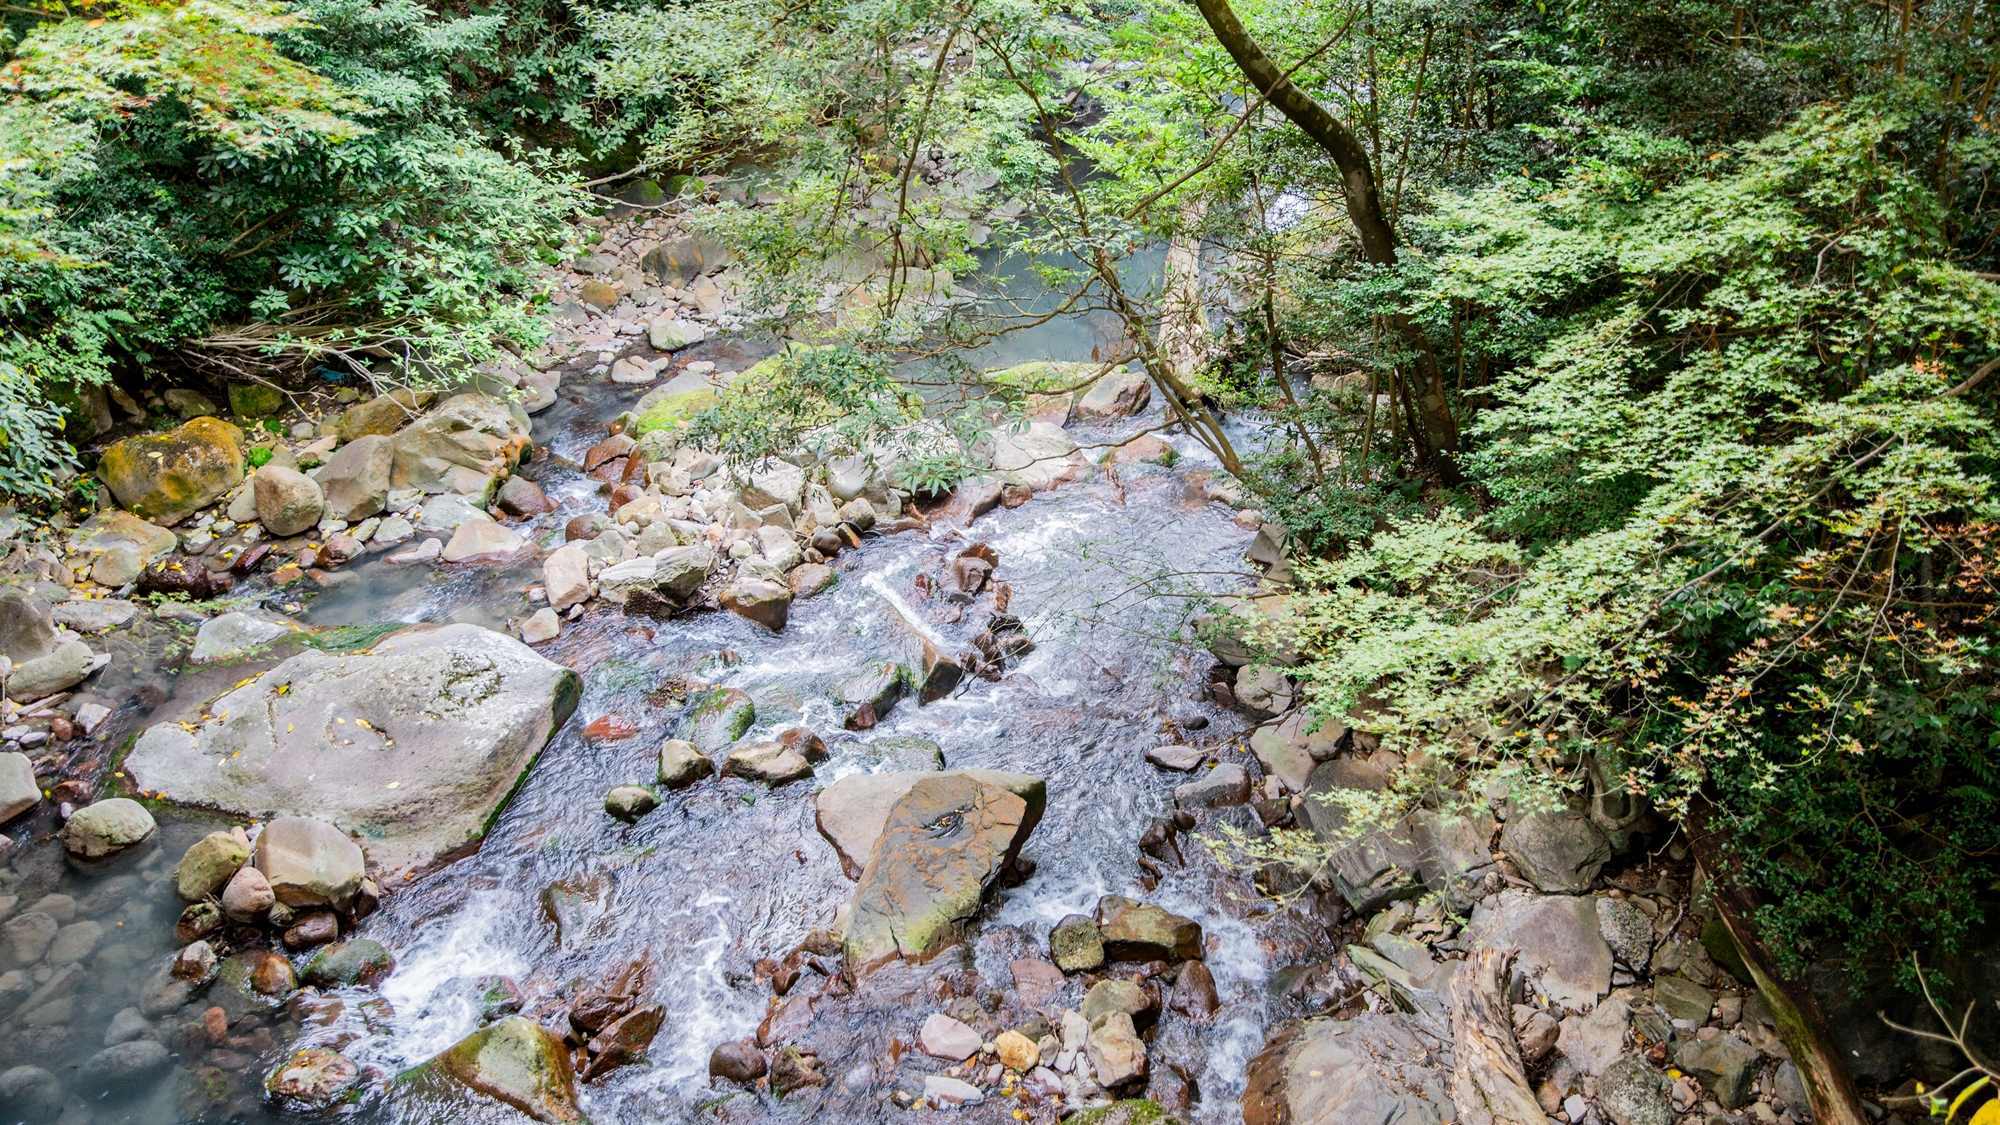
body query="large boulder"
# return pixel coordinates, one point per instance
(761, 600)
(852, 812)
(168, 477)
(356, 478)
(514, 1060)
(288, 501)
(1040, 456)
(1119, 394)
(1561, 946)
(414, 745)
(463, 445)
(944, 844)
(1559, 852)
(481, 539)
(1374, 1068)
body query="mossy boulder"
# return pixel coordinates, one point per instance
(255, 400)
(168, 477)
(514, 1060)
(348, 963)
(718, 718)
(672, 411)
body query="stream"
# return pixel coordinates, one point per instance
(726, 872)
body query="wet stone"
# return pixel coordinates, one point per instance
(1076, 944)
(737, 1061)
(312, 1080)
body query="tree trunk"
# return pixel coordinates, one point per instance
(1489, 1084)
(1801, 1024)
(1440, 439)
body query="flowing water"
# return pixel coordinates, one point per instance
(726, 872)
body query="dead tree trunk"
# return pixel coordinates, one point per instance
(1489, 1084)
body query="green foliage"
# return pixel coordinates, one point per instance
(1742, 461)
(257, 184)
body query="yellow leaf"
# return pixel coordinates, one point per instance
(1963, 1096)
(1988, 1114)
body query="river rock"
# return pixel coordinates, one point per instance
(309, 862)
(1559, 852)
(1593, 1041)
(737, 1061)
(168, 477)
(1725, 1065)
(943, 1037)
(348, 963)
(413, 745)
(1138, 931)
(312, 1080)
(355, 480)
(945, 842)
(1119, 394)
(852, 812)
(719, 717)
(1227, 784)
(671, 334)
(566, 576)
(248, 896)
(18, 790)
(68, 665)
(94, 615)
(208, 865)
(946, 1092)
(1631, 1092)
(1373, 1067)
(1038, 457)
(515, 1061)
(108, 826)
(463, 445)
(630, 802)
(541, 626)
(772, 763)
(1118, 996)
(1561, 948)
(1117, 1054)
(126, 1062)
(380, 416)
(1016, 1051)
(482, 540)
(25, 937)
(236, 635)
(811, 579)
(288, 501)
(681, 765)
(761, 600)
(121, 545)
(27, 625)
(1683, 999)
(1076, 944)
(1262, 691)
(522, 498)
(29, 1093)
(1179, 758)
(442, 514)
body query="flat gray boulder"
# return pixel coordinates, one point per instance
(852, 811)
(1375, 1067)
(413, 746)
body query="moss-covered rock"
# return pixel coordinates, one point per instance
(168, 477)
(360, 961)
(516, 1061)
(255, 400)
(1131, 1111)
(718, 718)
(669, 412)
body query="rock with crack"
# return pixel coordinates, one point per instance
(463, 445)
(414, 745)
(852, 812)
(943, 845)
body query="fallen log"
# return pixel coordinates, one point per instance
(1489, 1082)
